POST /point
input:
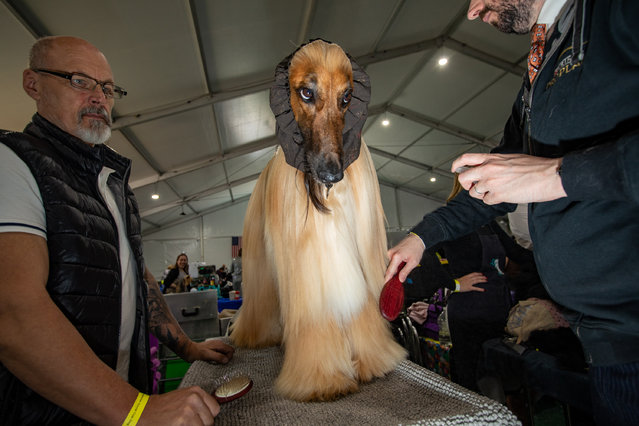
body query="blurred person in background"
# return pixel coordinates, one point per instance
(178, 279)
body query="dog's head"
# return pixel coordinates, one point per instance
(320, 98)
(321, 83)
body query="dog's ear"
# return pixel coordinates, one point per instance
(356, 114)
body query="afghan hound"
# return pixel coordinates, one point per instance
(315, 242)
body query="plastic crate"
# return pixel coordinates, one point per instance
(174, 371)
(196, 313)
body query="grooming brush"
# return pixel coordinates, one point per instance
(391, 300)
(233, 388)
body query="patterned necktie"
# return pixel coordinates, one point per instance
(536, 54)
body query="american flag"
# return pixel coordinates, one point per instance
(236, 245)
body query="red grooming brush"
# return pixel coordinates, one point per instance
(391, 300)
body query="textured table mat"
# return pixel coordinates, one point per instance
(409, 394)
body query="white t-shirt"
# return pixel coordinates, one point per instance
(549, 11)
(518, 222)
(21, 210)
(21, 207)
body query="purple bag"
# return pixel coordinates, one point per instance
(430, 328)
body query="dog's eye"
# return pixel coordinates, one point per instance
(346, 99)
(306, 94)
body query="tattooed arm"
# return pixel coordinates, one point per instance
(166, 328)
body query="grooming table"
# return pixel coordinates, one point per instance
(408, 395)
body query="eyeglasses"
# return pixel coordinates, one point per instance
(84, 82)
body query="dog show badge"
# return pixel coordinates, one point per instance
(233, 388)
(391, 299)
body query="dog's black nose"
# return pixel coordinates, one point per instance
(328, 177)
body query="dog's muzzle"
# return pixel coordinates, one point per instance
(329, 178)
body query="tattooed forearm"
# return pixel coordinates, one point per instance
(162, 323)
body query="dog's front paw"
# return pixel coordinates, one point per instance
(315, 387)
(371, 364)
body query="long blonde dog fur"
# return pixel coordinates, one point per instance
(312, 279)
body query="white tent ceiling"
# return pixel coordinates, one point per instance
(197, 123)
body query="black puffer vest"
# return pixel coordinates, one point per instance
(84, 263)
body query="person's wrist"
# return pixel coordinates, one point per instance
(419, 238)
(560, 191)
(136, 410)
(558, 167)
(457, 286)
(190, 351)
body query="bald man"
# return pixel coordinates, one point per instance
(76, 301)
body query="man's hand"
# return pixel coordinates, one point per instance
(189, 406)
(209, 350)
(409, 250)
(165, 327)
(510, 178)
(467, 282)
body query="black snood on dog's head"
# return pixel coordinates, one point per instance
(288, 132)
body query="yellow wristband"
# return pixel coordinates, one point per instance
(136, 410)
(457, 286)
